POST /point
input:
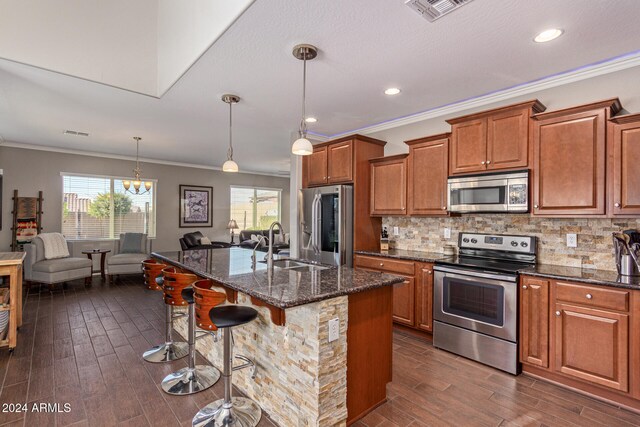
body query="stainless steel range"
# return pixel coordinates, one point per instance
(475, 306)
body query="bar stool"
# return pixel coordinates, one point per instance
(174, 281)
(194, 378)
(230, 411)
(152, 269)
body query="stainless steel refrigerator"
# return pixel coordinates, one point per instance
(325, 218)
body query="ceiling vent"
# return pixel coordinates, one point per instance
(76, 133)
(435, 9)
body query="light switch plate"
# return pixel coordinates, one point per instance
(396, 231)
(572, 240)
(447, 233)
(334, 329)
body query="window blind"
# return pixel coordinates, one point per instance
(98, 207)
(255, 208)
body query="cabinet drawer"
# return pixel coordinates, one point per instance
(385, 264)
(592, 296)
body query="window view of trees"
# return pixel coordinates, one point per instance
(254, 208)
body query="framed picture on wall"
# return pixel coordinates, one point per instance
(195, 206)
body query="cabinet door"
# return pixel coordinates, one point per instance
(428, 164)
(626, 177)
(569, 164)
(469, 146)
(508, 140)
(592, 345)
(389, 187)
(424, 298)
(340, 162)
(317, 167)
(534, 322)
(404, 302)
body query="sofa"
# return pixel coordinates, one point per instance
(192, 241)
(129, 262)
(37, 269)
(246, 242)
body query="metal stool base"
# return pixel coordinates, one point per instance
(242, 412)
(189, 381)
(166, 352)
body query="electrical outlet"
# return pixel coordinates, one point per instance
(572, 240)
(334, 329)
(396, 231)
(447, 233)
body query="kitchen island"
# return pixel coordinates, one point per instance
(302, 379)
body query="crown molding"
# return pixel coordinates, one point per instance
(582, 73)
(25, 146)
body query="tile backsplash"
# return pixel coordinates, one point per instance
(595, 247)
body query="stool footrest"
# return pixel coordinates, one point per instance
(248, 363)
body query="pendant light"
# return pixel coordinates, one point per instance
(230, 165)
(302, 146)
(137, 182)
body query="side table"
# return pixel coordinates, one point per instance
(103, 255)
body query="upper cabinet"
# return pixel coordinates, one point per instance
(316, 166)
(389, 185)
(569, 160)
(492, 140)
(340, 162)
(427, 171)
(624, 179)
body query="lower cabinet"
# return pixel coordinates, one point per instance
(580, 334)
(413, 298)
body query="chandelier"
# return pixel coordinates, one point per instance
(137, 182)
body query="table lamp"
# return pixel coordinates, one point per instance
(233, 225)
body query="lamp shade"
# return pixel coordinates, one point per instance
(230, 166)
(233, 225)
(302, 147)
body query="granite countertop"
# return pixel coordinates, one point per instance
(585, 275)
(419, 256)
(282, 288)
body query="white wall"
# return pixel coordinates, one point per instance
(186, 29)
(113, 41)
(29, 171)
(622, 84)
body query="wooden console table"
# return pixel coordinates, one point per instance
(11, 265)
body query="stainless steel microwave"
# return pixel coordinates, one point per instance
(494, 192)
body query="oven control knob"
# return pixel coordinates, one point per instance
(474, 241)
(524, 244)
(466, 240)
(514, 243)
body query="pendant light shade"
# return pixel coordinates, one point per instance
(137, 182)
(302, 146)
(230, 165)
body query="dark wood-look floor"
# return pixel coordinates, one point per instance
(83, 346)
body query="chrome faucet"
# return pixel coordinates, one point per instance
(253, 256)
(270, 252)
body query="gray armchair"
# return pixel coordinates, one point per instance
(37, 269)
(128, 260)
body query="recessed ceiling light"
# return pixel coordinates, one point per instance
(548, 35)
(392, 91)
(310, 120)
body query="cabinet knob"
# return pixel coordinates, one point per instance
(524, 286)
(444, 208)
(488, 162)
(428, 271)
(589, 296)
(558, 313)
(381, 264)
(483, 162)
(617, 205)
(535, 206)
(329, 177)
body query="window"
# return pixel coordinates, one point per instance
(96, 207)
(255, 208)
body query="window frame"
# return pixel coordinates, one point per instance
(252, 187)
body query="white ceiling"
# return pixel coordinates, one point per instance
(365, 46)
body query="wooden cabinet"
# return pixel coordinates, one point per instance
(592, 345)
(427, 172)
(492, 140)
(316, 166)
(534, 322)
(389, 185)
(569, 149)
(624, 179)
(413, 298)
(424, 297)
(340, 162)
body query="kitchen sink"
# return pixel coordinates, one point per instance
(289, 264)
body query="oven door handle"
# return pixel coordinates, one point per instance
(474, 273)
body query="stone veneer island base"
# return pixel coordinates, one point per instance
(302, 379)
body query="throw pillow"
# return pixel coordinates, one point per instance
(131, 243)
(205, 241)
